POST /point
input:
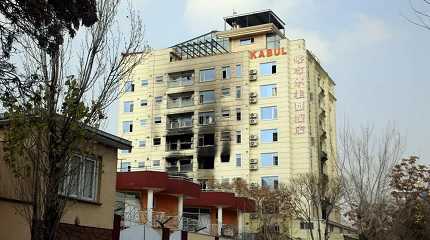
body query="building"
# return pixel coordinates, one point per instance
(89, 214)
(246, 102)
(178, 206)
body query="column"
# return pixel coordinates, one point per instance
(149, 204)
(180, 211)
(219, 220)
(239, 222)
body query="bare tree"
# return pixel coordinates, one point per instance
(314, 200)
(52, 108)
(421, 11)
(365, 163)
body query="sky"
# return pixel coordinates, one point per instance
(378, 59)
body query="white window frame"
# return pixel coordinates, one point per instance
(81, 179)
(274, 113)
(202, 75)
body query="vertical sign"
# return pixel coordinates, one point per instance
(299, 87)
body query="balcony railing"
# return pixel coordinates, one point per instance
(179, 103)
(180, 81)
(179, 146)
(185, 123)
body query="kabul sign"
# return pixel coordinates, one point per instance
(267, 53)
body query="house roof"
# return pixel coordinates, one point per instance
(101, 136)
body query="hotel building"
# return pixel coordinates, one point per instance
(246, 102)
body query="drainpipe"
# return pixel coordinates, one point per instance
(239, 222)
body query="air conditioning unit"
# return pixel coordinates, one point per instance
(253, 161)
(253, 167)
(253, 115)
(252, 100)
(253, 72)
(252, 94)
(252, 77)
(253, 184)
(253, 143)
(253, 137)
(253, 216)
(253, 121)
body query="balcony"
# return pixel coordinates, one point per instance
(178, 146)
(180, 79)
(180, 100)
(177, 123)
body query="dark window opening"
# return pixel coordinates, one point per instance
(275, 136)
(225, 157)
(206, 140)
(157, 141)
(206, 162)
(273, 69)
(306, 225)
(238, 114)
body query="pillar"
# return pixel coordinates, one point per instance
(149, 204)
(180, 211)
(239, 222)
(219, 220)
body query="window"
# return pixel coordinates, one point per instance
(306, 225)
(157, 120)
(269, 135)
(246, 41)
(207, 97)
(238, 137)
(225, 136)
(156, 141)
(225, 113)
(238, 160)
(158, 99)
(159, 79)
(143, 103)
(141, 164)
(225, 92)
(268, 90)
(143, 122)
(142, 143)
(226, 72)
(238, 70)
(82, 180)
(125, 166)
(269, 182)
(238, 114)
(238, 92)
(269, 113)
(273, 41)
(125, 151)
(206, 140)
(207, 75)
(156, 163)
(144, 83)
(128, 106)
(206, 118)
(129, 86)
(269, 159)
(267, 69)
(127, 126)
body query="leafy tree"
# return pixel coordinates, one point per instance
(52, 105)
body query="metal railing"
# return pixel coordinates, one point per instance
(179, 146)
(185, 123)
(180, 81)
(179, 103)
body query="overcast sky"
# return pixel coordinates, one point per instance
(378, 59)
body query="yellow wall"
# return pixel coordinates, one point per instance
(100, 215)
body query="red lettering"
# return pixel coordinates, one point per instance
(252, 54)
(277, 51)
(261, 54)
(269, 52)
(283, 51)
